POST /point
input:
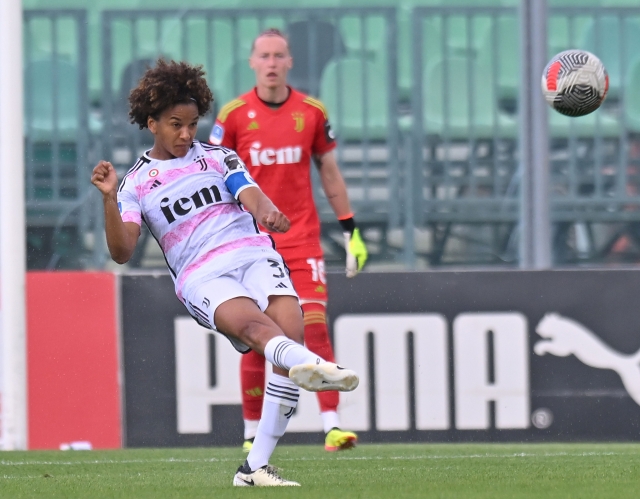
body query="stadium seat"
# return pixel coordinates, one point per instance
(128, 81)
(349, 120)
(632, 98)
(507, 40)
(619, 3)
(328, 44)
(603, 38)
(589, 126)
(351, 29)
(122, 127)
(40, 123)
(246, 80)
(565, 32)
(452, 116)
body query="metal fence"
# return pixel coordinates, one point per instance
(466, 177)
(424, 102)
(57, 135)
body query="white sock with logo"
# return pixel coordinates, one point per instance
(280, 400)
(285, 353)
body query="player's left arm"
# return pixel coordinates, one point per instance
(336, 191)
(242, 186)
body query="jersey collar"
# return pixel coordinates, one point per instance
(266, 104)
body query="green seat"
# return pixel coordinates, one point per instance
(164, 38)
(459, 120)
(574, 3)
(564, 33)
(507, 64)
(603, 38)
(348, 120)
(40, 123)
(353, 28)
(591, 125)
(619, 3)
(239, 79)
(632, 98)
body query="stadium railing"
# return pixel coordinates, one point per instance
(424, 101)
(464, 120)
(465, 171)
(57, 137)
(345, 56)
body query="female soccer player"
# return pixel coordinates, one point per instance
(201, 205)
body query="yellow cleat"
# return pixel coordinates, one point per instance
(247, 445)
(340, 440)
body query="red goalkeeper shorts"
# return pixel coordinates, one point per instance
(308, 276)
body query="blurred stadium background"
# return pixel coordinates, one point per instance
(423, 95)
(425, 98)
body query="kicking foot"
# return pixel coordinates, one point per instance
(324, 377)
(337, 440)
(267, 476)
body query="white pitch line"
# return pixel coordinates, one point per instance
(341, 458)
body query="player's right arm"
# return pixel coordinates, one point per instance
(263, 210)
(122, 237)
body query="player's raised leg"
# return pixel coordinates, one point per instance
(272, 333)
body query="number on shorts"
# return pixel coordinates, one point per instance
(276, 264)
(317, 270)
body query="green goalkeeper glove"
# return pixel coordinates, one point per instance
(356, 252)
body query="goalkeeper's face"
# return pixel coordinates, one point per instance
(271, 61)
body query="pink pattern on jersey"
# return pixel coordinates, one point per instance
(184, 230)
(223, 248)
(170, 176)
(215, 165)
(132, 216)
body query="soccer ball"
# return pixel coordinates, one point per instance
(575, 82)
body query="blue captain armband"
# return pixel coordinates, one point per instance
(238, 181)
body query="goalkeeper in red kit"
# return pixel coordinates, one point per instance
(277, 131)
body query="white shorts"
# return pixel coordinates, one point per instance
(258, 280)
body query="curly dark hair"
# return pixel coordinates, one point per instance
(165, 85)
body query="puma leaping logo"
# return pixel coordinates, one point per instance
(564, 336)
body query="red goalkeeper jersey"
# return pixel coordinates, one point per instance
(277, 146)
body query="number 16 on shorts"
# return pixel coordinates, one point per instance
(317, 270)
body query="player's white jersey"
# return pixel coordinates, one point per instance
(190, 206)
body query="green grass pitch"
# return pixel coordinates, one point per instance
(369, 471)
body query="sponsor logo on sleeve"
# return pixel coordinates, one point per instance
(217, 134)
(233, 162)
(328, 132)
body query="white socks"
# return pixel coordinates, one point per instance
(285, 353)
(330, 420)
(280, 400)
(250, 428)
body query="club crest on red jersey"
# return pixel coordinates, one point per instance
(298, 118)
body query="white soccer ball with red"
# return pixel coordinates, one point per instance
(575, 82)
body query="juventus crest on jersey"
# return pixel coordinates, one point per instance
(191, 207)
